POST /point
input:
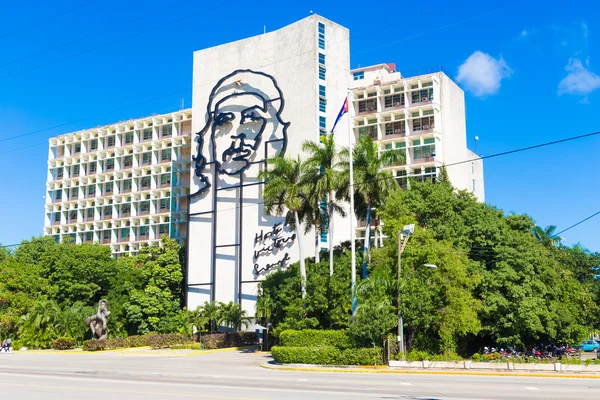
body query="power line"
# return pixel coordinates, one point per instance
(155, 98)
(186, 16)
(525, 148)
(574, 225)
(94, 33)
(46, 19)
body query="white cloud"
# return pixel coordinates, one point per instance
(579, 80)
(524, 33)
(481, 74)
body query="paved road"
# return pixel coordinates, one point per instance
(237, 376)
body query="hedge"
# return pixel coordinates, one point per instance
(315, 338)
(229, 339)
(63, 343)
(154, 341)
(327, 355)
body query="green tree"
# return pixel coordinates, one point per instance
(264, 309)
(547, 235)
(234, 316)
(212, 312)
(196, 320)
(372, 184)
(284, 194)
(324, 179)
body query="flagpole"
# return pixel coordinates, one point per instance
(351, 213)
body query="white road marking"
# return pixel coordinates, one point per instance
(405, 384)
(531, 388)
(303, 380)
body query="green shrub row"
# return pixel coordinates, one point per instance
(63, 343)
(154, 341)
(327, 355)
(229, 339)
(315, 338)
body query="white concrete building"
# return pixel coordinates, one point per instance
(124, 184)
(253, 99)
(424, 115)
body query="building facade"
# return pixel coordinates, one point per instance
(123, 185)
(253, 99)
(423, 116)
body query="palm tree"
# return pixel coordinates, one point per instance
(234, 316)
(264, 309)
(324, 179)
(196, 318)
(546, 235)
(372, 184)
(212, 312)
(284, 194)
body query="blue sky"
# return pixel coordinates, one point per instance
(530, 72)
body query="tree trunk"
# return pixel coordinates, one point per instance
(317, 245)
(330, 221)
(301, 254)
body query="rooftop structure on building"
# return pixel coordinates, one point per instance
(123, 185)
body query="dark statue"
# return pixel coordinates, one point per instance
(98, 322)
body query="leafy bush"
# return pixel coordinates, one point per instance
(229, 339)
(315, 338)
(327, 355)
(63, 343)
(95, 345)
(166, 341)
(187, 346)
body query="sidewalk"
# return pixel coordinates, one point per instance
(391, 370)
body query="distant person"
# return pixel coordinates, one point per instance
(5, 346)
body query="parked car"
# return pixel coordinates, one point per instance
(589, 345)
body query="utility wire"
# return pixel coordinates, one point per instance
(176, 92)
(574, 225)
(186, 16)
(126, 23)
(46, 19)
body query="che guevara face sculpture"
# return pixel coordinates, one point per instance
(243, 126)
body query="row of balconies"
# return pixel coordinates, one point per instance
(391, 102)
(93, 145)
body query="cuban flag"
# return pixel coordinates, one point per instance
(343, 111)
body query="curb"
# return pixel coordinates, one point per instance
(131, 351)
(387, 370)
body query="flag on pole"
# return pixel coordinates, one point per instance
(343, 111)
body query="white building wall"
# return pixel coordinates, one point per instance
(290, 56)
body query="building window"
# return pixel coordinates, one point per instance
(111, 141)
(124, 233)
(56, 217)
(106, 235)
(423, 124)
(321, 35)
(145, 182)
(420, 96)
(77, 148)
(367, 106)
(110, 164)
(125, 210)
(89, 236)
(92, 167)
(400, 145)
(165, 179)
(74, 193)
(395, 128)
(127, 185)
(58, 195)
(91, 190)
(129, 138)
(147, 134)
(167, 130)
(90, 213)
(59, 173)
(425, 151)
(359, 75)
(322, 123)
(108, 211)
(368, 130)
(75, 170)
(163, 229)
(473, 185)
(146, 158)
(322, 91)
(395, 100)
(321, 58)
(127, 161)
(321, 73)
(145, 206)
(93, 144)
(164, 204)
(322, 106)
(165, 155)
(109, 188)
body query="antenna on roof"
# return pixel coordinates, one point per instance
(181, 103)
(264, 29)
